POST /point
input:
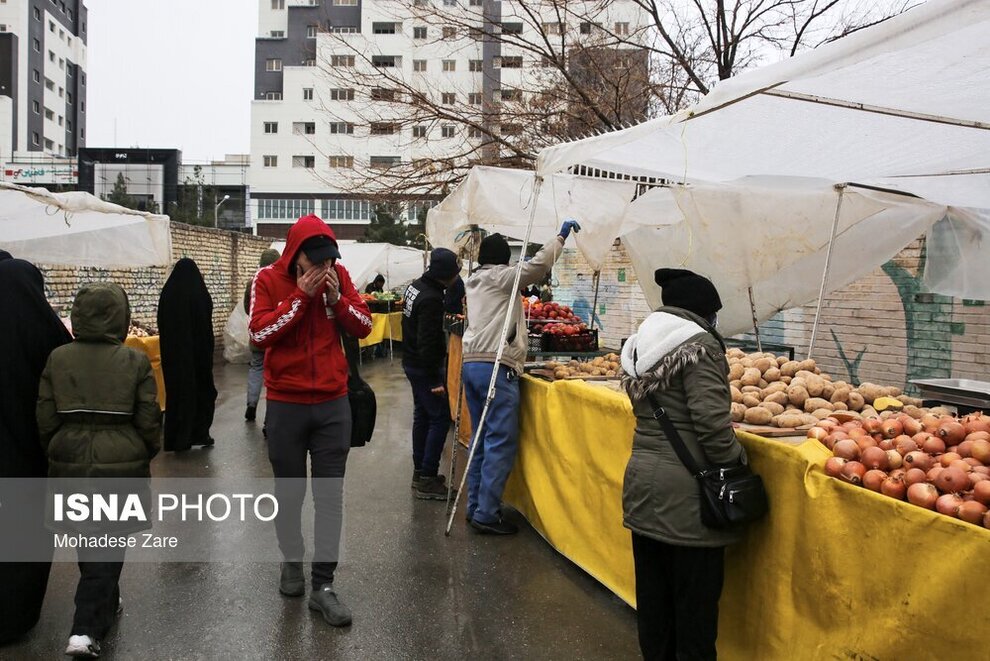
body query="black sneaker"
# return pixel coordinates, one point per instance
(500, 527)
(292, 583)
(250, 413)
(326, 602)
(433, 488)
(417, 476)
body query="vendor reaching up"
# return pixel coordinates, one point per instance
(490, 292)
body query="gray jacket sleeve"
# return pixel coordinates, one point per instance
(709, 404)
(536, 268)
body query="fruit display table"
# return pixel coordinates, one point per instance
(151, 348)
(384, 326)
(834, 571)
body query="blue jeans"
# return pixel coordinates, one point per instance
(256, 376)
(431, 419)
(498, 441)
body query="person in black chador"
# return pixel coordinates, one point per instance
(29, 330)
(185, 326)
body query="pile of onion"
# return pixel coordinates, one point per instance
(940, 463)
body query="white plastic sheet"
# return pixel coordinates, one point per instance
(236, 346)
(79, 229)
(400, 265)
(958, 261)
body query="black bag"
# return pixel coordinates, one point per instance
(731, 496)
(364, 405)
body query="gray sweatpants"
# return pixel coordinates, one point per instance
(256, 377)
(323, 431)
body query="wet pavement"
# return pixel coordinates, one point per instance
(415, 594)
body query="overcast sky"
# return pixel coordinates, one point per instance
(171, 74)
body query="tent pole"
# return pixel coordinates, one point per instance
(594, 306)
(513, 301)
(756, 326)
(841, 188)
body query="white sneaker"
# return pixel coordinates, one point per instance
(83, 647)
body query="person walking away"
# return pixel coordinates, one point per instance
(424, 360)
(376, 285)
(678, 358)
(30, 330)
(490, 294)
(185, 326)
(98, 417)
(300, 305)
(256, 370)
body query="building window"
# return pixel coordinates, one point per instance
(553, 28)
(51, 57)
(622, 29)
(49, 85)
(344, 29)
(386, 28)
(340, 161)
(304, 128)
(383, 94)
(271, 128)
(36, 107)
(273, 96)
(84, 79)
(512, 28)
(342, 128)
(385, 161)
(447, 130)
(511, 129)
(60, 120)
(68, 98)
(274, 64)
(347, 209)
(476, 65)
(587, 27)
(419, 131)
(474, 98)
(37, 14)
(51, 26)
(385, 61)
(309, 63)
(49, 145)
(476, 133)
(383, 128)
(419, 33)
(449, 3)
(278, 4)
(510, 95)
(277, 34)
(475, 3)
(449, 32)
(285, 209)
(37, 76)
(448, 98)
(342, 3)
(311, 31)
(419, 65)
(82, 106)
(270, 161)
(512, 61)
(307, 94)
(308, 162)
(61, 92)
(68, 125)
(450, 65)
(35, 140)
(49, 114)
(61, 64)
(342, 60)
(340, 94)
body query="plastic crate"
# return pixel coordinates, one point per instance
(582, 342)
(536, 342)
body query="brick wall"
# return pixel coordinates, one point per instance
(226, 259)
(883, 328)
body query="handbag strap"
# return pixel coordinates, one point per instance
(660, 415)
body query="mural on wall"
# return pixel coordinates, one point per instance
(852, 366)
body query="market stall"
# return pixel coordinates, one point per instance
(385, 326)
(834, 570)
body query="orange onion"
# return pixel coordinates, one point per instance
(892, 427)
(976, 478)
(948, 458)
(965, 449)
(893, 487)
(978, 435)
(961, 465)
(853, 472)
(981, 451)
(873, 479)
(921, 437)
(918, 459)
(981, 492)
(929, 422)
(972, 512)
(857, 432)
(952, 480)
(846, 449)
(933, 445)
(894, 459)
(952, 432)
(865, 442)
(886, 444)
(934, 472)
(817, 433)
(948, 504)
(914, 476)
(875, 458)
(982, 469)
(910, 425)
(975, 422)
(922, 494)
(973, 462)
(833, 467)
(905, 444)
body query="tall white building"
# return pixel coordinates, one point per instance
(42, 80)
(313, 127)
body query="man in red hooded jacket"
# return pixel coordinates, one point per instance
(299, 307)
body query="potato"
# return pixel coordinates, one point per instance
(736, 371)
(735, 352)
(788, 420)
(815, 403)
(870, 392)
(738, 411)
(840, 406)
(751, 400)
(756, 390)
(776, 386)
(758, 416)
(892, 391)
(763, 364)
(736, 384)
(866, 411)
(914, 411)
(782, 360)
(611, 374)
(773, 407)
(856, 402)
(799, 381)
(789, 368)
(909, 401)
(808, 365)
(747, 362)
(821, 414)
(840, 394)
(736, 394)
(763, 384)
(751, 376)
(772, 375)
(815, 385)
(798, 395)
(777, 398)
(786, 380)
(828, 390)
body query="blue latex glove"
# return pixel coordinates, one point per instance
(565, 229)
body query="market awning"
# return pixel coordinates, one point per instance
(79, 229)
(400, 265)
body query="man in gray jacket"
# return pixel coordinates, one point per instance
(489, 294)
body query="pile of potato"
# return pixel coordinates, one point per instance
(774, 390)
(607, 365)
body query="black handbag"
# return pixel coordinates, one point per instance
(731, 496)
(364, 405)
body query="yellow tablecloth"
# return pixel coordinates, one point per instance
(151, 348)
(834, 571)
(383, 327)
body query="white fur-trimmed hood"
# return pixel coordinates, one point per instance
(659, 334)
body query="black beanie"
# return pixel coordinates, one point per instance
(494, 250)
(443, 264)
(689, 291)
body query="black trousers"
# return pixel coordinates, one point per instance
(323, 432)
(97, 593)
(677, 592)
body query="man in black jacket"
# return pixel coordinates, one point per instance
(424, 359)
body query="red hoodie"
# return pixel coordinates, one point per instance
(304, 362)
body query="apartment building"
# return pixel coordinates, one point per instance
(42, 80)
(322, 125)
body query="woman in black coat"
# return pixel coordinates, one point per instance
(185, 328)
(29, 330)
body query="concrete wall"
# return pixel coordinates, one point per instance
(883, 328)
(226, 259)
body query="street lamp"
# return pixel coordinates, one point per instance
(216, 209)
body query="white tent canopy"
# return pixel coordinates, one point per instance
(79, 229)
(800, 127)
(399, 265)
